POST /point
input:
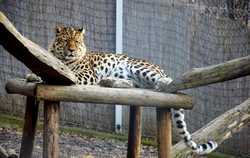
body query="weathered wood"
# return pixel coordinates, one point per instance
(219, 130)
(20, 86)
(37, 59)
(96, 94)
(29, 129)
(164, 134)
(212, 74)
(51, 129)
(134, 134)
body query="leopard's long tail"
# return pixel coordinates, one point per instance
(178, 119)
(179, 122)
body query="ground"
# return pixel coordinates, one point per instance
(72, 146)
(76, 142)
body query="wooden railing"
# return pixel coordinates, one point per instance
(57, 86)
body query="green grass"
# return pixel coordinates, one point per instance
(12, 122)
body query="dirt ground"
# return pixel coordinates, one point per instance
(72, 146)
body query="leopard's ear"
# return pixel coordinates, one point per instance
(58, 29)
(82, 30)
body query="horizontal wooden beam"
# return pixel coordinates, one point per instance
(37, 59)
(96, 94)
(212, 74)
(219, 129)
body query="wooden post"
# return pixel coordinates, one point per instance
(164, 136)
(50, 127)
(29, 129)
(134, 134)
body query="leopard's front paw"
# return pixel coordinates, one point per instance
(163, 82)
(33, 78)
(116, 83)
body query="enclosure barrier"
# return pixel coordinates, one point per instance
(52, 71)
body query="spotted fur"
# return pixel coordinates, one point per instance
(91, 67)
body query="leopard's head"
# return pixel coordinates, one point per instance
(69, 43)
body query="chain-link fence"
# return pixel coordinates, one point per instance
(37, 20)
(181, 36)
(178, 35)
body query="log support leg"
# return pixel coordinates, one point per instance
(134, 135)
(51, 129)
(164, 136)
(29, 129)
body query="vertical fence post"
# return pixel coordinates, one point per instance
(51, 129)
(134, 134)
(164, 133)
(29, 129)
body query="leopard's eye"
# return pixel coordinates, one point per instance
(78, 41)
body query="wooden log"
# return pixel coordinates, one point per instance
(20, 86)
(164, 132)
(96, 94)
(134, 134)
(212, 74)
(51, 130)
(37, 59)
(29, 129)
(219, 129)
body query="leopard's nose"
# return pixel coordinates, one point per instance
(70, 49)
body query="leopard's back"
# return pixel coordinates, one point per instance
(102, 65)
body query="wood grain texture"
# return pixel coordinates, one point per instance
(164, 132)
(124, 96)
(20, 86)
(134, 134)
(212, 74)
(29, 129)
(51, 129)
(96, 94)
(37, 59)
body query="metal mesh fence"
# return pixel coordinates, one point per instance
(181, 36)
(37, 20)
(178, 35)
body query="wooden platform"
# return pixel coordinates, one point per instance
(52, 71)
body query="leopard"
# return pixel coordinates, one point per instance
(90, 67)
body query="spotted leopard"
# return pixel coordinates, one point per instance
(90, 67)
